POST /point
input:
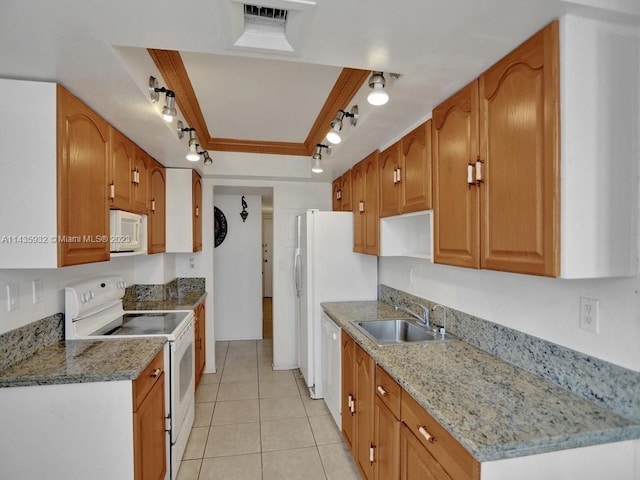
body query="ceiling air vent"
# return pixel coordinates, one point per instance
(265, 15)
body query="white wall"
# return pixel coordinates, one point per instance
(238, 271)
(289, 198)
(53, 283)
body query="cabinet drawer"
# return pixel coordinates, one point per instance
(388, 391)
(453, 457)
(149, 376)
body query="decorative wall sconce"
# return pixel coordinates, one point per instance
(336, 124)
(317, 156)
(244, 214)
(169, 111)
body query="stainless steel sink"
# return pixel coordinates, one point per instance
(399, 331)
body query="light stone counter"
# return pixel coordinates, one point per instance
(493, 408)
(82, 361)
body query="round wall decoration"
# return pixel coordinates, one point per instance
(220, 227)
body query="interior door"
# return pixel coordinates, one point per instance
(267, 256)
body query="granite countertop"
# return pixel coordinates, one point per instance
(80, 361)
(180, 302)
(493, 408)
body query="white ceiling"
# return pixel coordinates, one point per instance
(97, 50)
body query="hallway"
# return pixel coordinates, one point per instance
(254, 423)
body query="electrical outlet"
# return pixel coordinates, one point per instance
(13, 296)
(589, 315)
(37, 291)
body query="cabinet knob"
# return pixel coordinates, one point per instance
(479, 178)
(381, 390)
(153, 205)
(470, 180)
(398, 176)
(156, 373)
(361, 207)
(112, 191)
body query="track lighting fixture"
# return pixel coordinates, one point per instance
(377, 96)
(206, 158)
(317, 156)
(169, 111)
(336, 124)
(193, 155)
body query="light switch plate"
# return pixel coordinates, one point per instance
(37, 291)
(13, 296)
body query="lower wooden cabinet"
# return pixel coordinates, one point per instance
(416, 462)
(390, 435)
(200, 342)
(149, 436)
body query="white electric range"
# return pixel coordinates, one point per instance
(93, 309)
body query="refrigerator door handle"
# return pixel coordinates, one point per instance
(297, 274)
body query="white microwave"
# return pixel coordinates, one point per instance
(127, 232)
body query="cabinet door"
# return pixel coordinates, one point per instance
(371, 220)
(200, 345)
(416, 462)
(156, 219)
(455, 200)
(141, 189)
(387, 442)
(415, 170)
(197, 211)
(345, 191)
(149, 435)
(389, 188)
(336, 200)
(519, 143)
(348, 390)
(364, 371)
(121, 166)
(83, 162)
(357, 205)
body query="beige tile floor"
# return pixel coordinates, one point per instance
(254, 423)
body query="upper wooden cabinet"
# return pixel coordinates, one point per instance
(140, 194)
(405, 173)
(83, 160)
(184, 210)
(345, 191)
(341, 193)
(496, 165)
(389, 183)
(121, 171)
(364, 202)
(414, 176)
(156, 225)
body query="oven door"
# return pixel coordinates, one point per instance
(183, 382)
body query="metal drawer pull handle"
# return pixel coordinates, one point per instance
(156, 373)
(423, 431)
(381, 390)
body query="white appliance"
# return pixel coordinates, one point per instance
(326, 269)
(93, 309)
(127, 231)
(331, 344)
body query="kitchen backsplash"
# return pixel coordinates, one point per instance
(21, 343)
(174, 289)
(604, 383)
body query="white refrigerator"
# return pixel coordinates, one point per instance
(326, 270)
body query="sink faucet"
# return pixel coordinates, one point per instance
(443, 330)
(424, 319)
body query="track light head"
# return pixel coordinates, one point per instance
(169, 111)
(193, 155)
(317, 156)
(377, 96)
(336, 124)
(317, 168)
(207, 158)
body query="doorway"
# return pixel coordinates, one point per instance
(267, 267)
